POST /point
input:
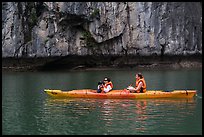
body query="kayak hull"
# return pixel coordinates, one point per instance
(120, 94)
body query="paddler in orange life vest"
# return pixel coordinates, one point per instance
(140, 84)
(107, 86)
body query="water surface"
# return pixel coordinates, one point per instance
(27, 110)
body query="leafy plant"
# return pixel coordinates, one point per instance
(95, 13)
(33, 17)
(90, 41)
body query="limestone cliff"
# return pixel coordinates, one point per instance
(44, 29)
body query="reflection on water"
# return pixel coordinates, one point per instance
(115, 116)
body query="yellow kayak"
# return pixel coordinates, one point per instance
(121, 94)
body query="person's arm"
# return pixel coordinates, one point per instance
(139, 86)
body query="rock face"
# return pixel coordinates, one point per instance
(44, 29)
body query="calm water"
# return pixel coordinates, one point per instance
(27, 110)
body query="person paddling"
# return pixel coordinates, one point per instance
(105, 86)
(108, 86)
(140, 84)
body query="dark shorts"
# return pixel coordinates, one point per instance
(99, 90)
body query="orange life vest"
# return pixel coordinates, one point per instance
(143, 88)
(109, 83)
(106, 85)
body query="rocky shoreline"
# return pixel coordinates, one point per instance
(76, 63)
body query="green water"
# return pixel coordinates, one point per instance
(27, 110)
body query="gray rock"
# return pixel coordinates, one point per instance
(42, 29)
